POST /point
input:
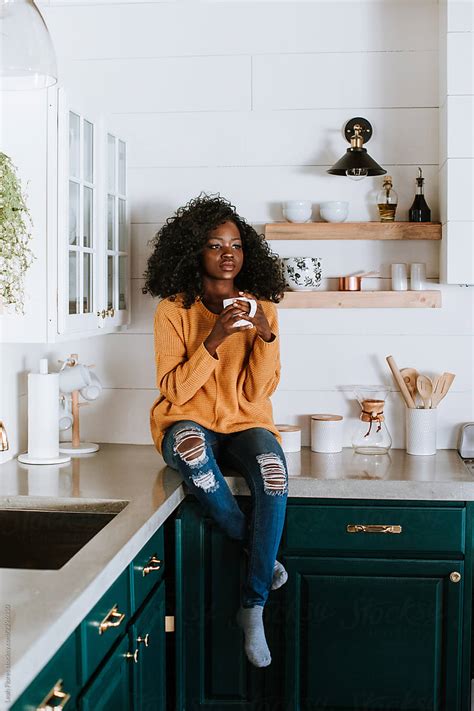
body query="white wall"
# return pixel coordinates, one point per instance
(248, 99)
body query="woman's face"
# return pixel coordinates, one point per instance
(222, 255)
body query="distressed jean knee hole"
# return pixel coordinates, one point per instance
(190, 446)
(273, 473)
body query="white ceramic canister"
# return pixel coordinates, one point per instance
(420, 430)
(290, 437)
(326, 433)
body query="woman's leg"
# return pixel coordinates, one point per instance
(258, 455)
(188, 448)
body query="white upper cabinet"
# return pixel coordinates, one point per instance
(75, 179)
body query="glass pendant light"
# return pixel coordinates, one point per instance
(356, 162)
(27, 59)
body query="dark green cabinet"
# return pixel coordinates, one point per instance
(111, 687)
(147, 641)
(367, 621)
(212, 671)
(373, 634)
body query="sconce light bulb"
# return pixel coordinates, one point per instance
(357, 173)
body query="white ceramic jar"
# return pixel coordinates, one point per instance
(290, 437)
(326, 433)
(420, 430)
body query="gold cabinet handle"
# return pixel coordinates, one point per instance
(153, 564)
(373, 528)
(145, 639)
(56, 694)
(112, 619)
(455, 577)
(102, 313)
(133, 655)
(110, 312)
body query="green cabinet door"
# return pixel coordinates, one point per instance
(212, 669)
(110, 688)
(378, 635)
(147, 634)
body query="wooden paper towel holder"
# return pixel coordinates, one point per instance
(75, 446)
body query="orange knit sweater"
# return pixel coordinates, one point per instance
(228, 393)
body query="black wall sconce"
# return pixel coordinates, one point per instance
(356, 162)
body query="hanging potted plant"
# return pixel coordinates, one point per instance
(15, 236)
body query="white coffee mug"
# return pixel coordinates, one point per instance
(252, 312)
(65, 416)
(92, 391)
(74, 377)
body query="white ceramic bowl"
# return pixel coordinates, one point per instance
(302, 273)
(334, 211)
(297, 210)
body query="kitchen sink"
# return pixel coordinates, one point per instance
(47, 539)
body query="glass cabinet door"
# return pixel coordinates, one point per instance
(117, 279)
(77, 221)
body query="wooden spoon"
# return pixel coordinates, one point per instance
(425, 388)
(441, 387)
(410, 375)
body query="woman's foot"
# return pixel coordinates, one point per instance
(280, 576)
(256, 648)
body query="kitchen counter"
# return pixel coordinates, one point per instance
(42, 607)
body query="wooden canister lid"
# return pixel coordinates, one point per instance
(327, 418)
(288, 428)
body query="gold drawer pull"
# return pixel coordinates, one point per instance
(56, 694)
(455, 577)
(113, 618)
(373, 528)
(153, 564)
(133, 655)
(145, 639)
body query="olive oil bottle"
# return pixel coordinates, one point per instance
(387, 200)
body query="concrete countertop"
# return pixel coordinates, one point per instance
(42, 607)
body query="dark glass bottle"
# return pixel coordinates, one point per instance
(419, 211)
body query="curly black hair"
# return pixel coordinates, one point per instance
(174, 265)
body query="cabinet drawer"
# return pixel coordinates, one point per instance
(56, 682)
(105, 623)
(331, 528)
(147, 568)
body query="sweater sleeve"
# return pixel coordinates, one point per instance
(177, 377)
(263, 369)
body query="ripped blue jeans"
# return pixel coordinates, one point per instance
(256, 454)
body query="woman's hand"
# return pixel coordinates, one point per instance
(259, 320)
(224, 325)
(261, 324)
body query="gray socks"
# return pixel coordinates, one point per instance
(256, 648)
(280, 576)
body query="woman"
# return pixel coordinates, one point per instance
(215, 380)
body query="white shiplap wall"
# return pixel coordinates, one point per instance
(248, 99)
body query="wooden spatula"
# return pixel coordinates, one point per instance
(425, 388)
(441, 387)
(410, 375)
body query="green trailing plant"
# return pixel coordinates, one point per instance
(15, 236)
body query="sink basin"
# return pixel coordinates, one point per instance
(46, 539)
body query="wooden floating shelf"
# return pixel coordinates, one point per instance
(361, 300)
(354, 230)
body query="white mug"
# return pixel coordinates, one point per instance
(74, 377)
(65, 416)
(252, 312)
(92, 391)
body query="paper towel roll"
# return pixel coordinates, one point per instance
(43, 425)
(290, 437)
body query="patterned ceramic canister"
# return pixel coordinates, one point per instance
(302, 273)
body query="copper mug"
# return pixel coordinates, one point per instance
(353, 282)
